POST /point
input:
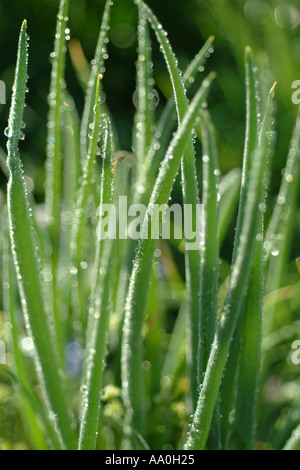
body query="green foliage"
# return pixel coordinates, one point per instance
(143, 344)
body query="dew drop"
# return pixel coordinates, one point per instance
(27, 346)
(262, 207)
(289, 178)
(8, 132)
(281, 200)
(52, 415)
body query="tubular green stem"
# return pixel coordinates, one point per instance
(97, 69)
(251, 141)
(144, 118)
(278, 234)
(24, 249)
(140, 278)
(240, 273)
(168, 122)
(99, 318)
(251, 138)
(36, 317)
(54, 145)
(250, 355)
(210, 253)
(190, 196)
(85, 193)
(209, 285)
(86, 185)
(54, 160)
(95, 360)
(9, 303)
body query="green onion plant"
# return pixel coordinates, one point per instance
(113, 367)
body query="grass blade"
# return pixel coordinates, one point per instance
(250, 353)
(251, 141)
(9, 303)
(277, 239)
(97, 69)
(27, 261)
(209, 271)
(244, 426)
(86, 185)
(106, 196)
(54, 140)
(190, 196)
(96, 341)
(139, 283)
(144, 119)
(78, 242)
(71, 179)
(54, 161)
(240, 273)
(210, 253)
(168, 118)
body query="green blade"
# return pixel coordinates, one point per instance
(27, 265)
(239, 278)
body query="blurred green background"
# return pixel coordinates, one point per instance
(271, 28)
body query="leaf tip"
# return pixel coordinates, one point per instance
(273, 88)
(248, 53)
